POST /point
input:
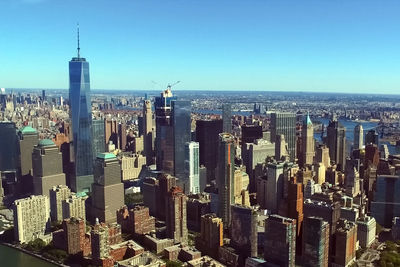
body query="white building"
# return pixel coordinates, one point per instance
(31, 218)
(191, 181)
(366, 231)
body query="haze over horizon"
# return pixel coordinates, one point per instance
(225, 45)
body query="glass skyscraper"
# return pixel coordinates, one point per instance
(181, 111)
(81, 116)
(227, 118)
(99, 143)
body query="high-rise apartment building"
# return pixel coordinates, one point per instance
(345, 243)
(148, 132)
(207, 135)
(107, 189)
(191, 179)
(181, 111)
(225, 176)
(75, 206)
(284, 123)
(81, 117)
(47, 167)
(176, 219)
(227, 118)
(336, 142)
(31, 218)
(315, 242)
(358, 137)
(280, 240)
(58, 194)
(211, 235)
(100, 242)
(131, 166)
(74, 232)
(307, 143)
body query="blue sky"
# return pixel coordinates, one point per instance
(321, 45)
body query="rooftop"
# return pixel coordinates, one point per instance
(28, 130)
(106, 156)
(46, 142)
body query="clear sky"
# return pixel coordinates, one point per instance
(299, 45)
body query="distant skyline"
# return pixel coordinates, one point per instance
(315, 45)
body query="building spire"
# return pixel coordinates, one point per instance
(79, 49)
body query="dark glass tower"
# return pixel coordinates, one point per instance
(81, 116)
(181, 111)
(227, 118)
(99, 140)
(164, 141)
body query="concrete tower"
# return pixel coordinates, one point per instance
(108, 191)
(148, 131)
(307, 144)
(225, 176)
(358, 137)
(47, 167)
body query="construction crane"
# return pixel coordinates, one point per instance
(170, 85)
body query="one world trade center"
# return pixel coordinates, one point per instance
(81, 116)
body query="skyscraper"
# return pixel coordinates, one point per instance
(244, 231)
(8, 146)
(250, 133)
(336, 142)
(176, 219)
(99, 140)
(192, 172)
(307, 142)
(315, 242)
(358, 137)
(372, 137)
(211, 235)
(181, 111)
(207, 134)
(47, 167)
(28, 139)
(81, 116)
(225, 176)
(280, 240)
(227, 118)
(31, 218)
(164, 142)
(285, 123)
(148, 131)
(108, 191)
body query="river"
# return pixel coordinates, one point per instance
(11, 257)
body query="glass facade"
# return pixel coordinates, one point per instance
(8, 147)
(285, 123)
(181, 111)
(99, 140)
(164, 132)
(81, 116)
(227, 118)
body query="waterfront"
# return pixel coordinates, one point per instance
(11, 257)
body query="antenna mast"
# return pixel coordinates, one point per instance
(79, 49)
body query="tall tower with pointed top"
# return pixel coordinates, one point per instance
(307, 144)
(81, 117)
